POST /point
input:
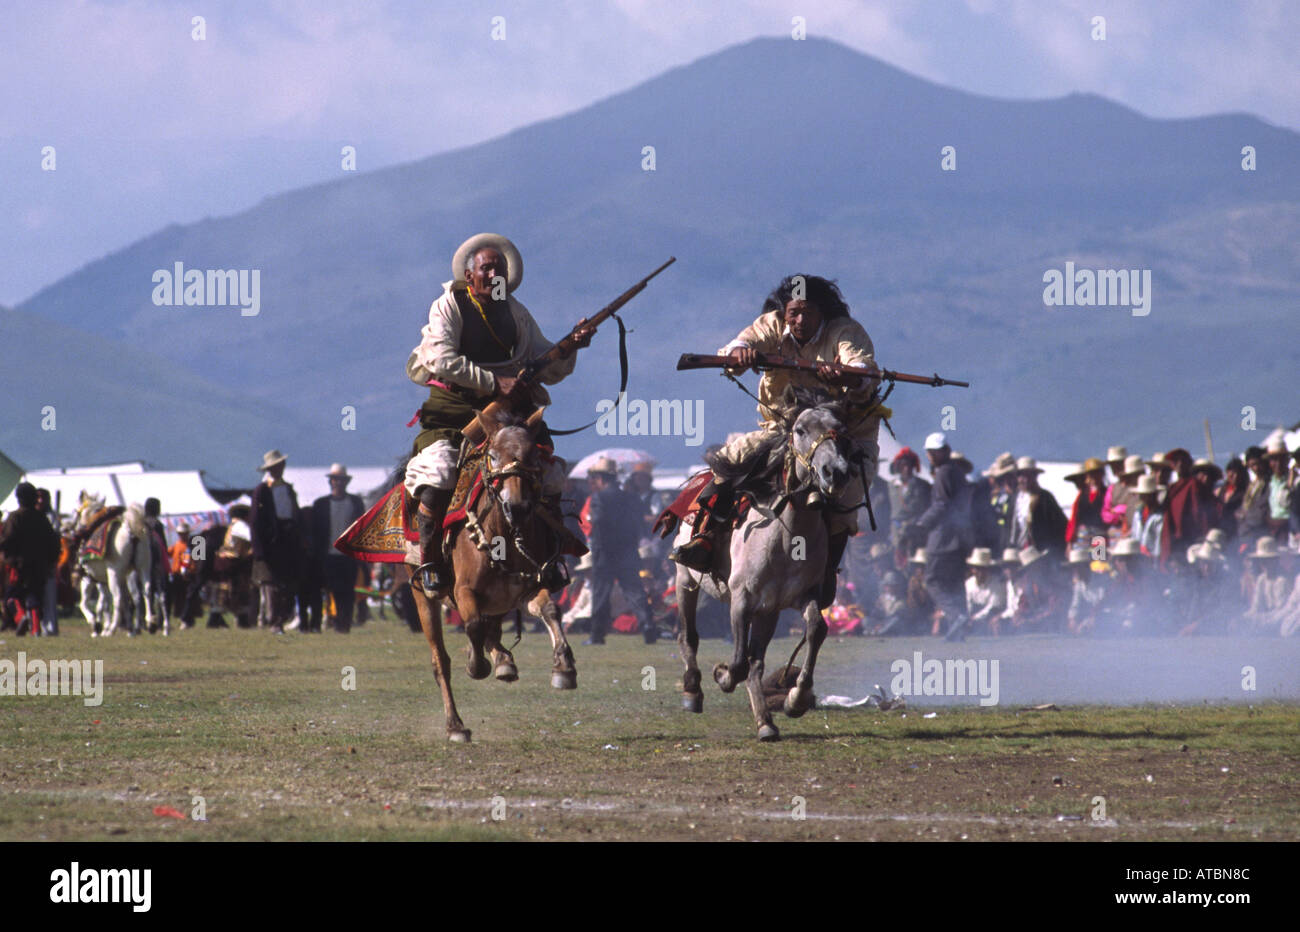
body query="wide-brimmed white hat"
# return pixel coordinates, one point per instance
(270, 458)
(1133, 465)
(1116, 455)
(1265, 549)
(1148, 484)
(1027, 464)
(1010, 557)
(1004, 464)
(1031, 555)
(339, 470)
(936, 441)
(508, 250)
(604, 465)
(980, 556)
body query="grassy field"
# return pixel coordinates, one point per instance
(262, 729)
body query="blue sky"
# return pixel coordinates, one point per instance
(151, 127)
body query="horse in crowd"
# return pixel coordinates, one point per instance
(496, 559)
(775, 557)
(115, 559)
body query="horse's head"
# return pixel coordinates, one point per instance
(819, 440)
(88, 506)
(512, 470)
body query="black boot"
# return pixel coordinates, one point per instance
(433, 508)
(835, 547)
(697, 553)
(558, 538)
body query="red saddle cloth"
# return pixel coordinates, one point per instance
(685, 506)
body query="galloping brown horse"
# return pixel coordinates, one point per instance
(496, 560)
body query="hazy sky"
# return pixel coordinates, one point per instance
(151, 127)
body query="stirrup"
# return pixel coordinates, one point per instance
(429, 580)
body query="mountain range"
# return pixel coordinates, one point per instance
(769, 158)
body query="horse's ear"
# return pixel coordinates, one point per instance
(534, 423)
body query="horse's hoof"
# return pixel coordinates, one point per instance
(797, 703)
(768, 733)
(722, 676)
(478, 668)
(693, 702)
(564, 680)
(459, 737)
(506, 672)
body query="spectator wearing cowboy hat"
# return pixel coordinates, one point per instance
(1037, 518)
(1127, 594)
(1279, 488)
(909, 498)
(277, 542)
(1121, 500)
(1039, 604)
(1270, 587)
(477, 337)
(1210, 601)
(1002, 494)
(1147, 521)
(986, 596)
(1086, 520)
(616, 527)
(1087, 593)
(332, 515)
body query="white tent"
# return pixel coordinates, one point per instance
(182, 494)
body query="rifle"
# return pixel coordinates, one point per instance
(528, 373)
(772, 361)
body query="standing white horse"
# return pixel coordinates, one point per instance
(776, 559)
(126, 559)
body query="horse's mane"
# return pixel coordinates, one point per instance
(770, 453)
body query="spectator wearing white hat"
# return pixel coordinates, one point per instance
(986, 596)
(277, 542)
(946, 524)
(1087, 593)
(1147, 521)
(332, 515)
(1270, 587)
(1037, 518)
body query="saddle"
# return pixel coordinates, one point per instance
(98, 531)
(686, 507)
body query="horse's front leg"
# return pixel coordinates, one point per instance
(727, 677)
(431, 623)
(564, 672)
(760, 635)
(800, 698)
(688, 639)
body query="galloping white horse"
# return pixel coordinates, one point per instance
(126, 558)
(776, 559)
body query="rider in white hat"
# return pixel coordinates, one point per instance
(476, 340)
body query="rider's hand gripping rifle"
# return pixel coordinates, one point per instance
(529, 372)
